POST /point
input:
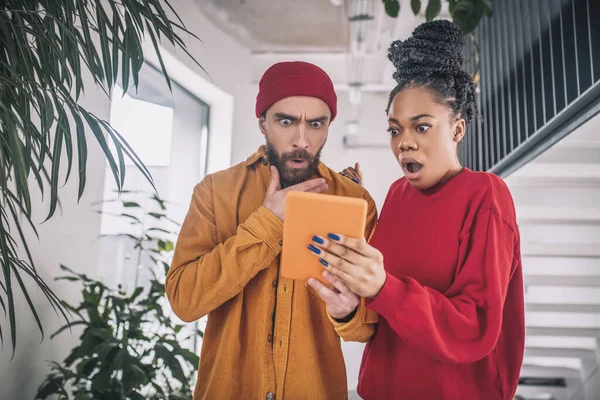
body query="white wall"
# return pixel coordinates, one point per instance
(69, 238)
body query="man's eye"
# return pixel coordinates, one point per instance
(316, 124)
(392, 131)
(285, 122)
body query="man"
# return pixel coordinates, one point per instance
(268, 337)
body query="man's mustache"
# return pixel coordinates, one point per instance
(297, 155)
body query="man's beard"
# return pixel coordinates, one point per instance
(292, 176)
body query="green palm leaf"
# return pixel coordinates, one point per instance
(45, 48)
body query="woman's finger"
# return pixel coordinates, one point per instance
(358, 171)
(332, 261)
(340, 250)
(359, 246)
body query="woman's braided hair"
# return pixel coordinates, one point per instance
(432, 58)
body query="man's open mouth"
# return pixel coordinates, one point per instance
(298, 162)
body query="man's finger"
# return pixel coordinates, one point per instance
(345, 277)
(306, 186)
(337, 283)
(328, 295)
(318, 189)
(274, 185)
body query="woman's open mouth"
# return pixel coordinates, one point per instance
(412, 168)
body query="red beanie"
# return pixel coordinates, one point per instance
(294, 78)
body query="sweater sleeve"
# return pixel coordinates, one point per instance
(463, 324)
(204, 273)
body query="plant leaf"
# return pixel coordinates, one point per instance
(57, 152)
(433, 9)
(416, 6)
(392, 8)
(467, 14)
(488, 8)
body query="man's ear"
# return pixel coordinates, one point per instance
(262, 122)
(460, 128)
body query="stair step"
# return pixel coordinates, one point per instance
(562, 294)
(560, 266)
(563, 280)
(586, 355)
(585, 250)
(562, 308)
(543, 393)
(563, 331)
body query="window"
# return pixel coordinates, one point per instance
(169, 132)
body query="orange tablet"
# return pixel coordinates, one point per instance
(310, 214)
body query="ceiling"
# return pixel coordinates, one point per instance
(282, 25)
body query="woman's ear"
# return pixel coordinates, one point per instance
(460, 127)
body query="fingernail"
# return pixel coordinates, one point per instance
(333, 236)
(314, 249)
(317, 239)
(355, 180)
(323, 262)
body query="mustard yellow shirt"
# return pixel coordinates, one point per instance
(266, 337)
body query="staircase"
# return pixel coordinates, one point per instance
(557, 197)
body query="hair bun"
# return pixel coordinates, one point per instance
(435, 48)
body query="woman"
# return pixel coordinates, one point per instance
(443, 270)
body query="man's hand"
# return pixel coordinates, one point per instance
(341, 301)
(354, 174)
(275, 197)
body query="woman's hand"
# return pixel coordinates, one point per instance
(341, 301)
(355, 262)
(353, 174)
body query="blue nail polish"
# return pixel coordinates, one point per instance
(317, 239)
(314, 249)
(333, 236)
(323, 262)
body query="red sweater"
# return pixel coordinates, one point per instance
(451, 310)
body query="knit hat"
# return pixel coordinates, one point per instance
(295, 78)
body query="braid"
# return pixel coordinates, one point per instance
(432, 58)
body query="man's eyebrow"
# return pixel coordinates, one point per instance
(323, 119)
(286, 116)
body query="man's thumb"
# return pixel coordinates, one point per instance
(274, 185)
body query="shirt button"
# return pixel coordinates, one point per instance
(270, 396)
(270, 337)
(265, 161)
(274, 283)
(281, 242)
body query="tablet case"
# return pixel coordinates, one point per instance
(310, 214)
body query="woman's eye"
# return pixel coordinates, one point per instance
(423, 128)
(285, 122)
(392, 131)
(316, 124)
